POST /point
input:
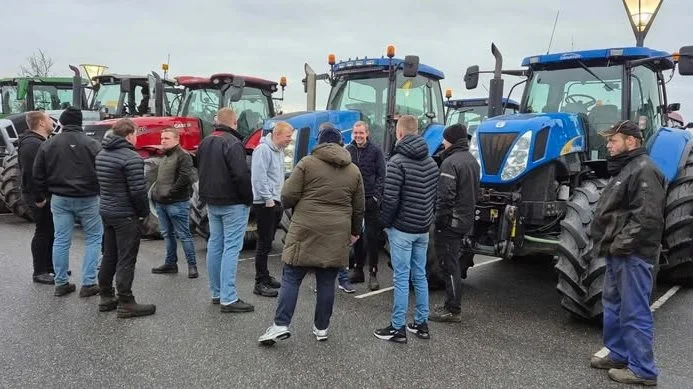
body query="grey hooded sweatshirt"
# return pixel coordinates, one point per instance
(267, 171)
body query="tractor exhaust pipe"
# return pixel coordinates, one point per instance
(495, 93)
(76, 88)
(310, 87)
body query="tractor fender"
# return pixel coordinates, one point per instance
(433, 135)
(669, 149)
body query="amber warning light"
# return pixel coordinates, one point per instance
(390, 51)
(331, 59)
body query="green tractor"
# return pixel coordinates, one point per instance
(23, 94)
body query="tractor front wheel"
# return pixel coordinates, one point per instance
(9, 187)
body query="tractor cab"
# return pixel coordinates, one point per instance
(470, 112)
(117, 95)
(22, 94)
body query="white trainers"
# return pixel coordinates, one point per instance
(273, 334)
(320, 335)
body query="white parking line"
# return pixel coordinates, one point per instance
(655, 306)
(253, 257)
(389, 288)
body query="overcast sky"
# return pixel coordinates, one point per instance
(273, 38)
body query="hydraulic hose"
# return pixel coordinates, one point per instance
(540, 240)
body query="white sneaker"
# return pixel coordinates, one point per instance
(320, 335)
(273, 334)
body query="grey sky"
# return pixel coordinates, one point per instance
(273, 38)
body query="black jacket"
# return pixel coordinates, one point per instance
(223, 169)
(28, 147)
(409, 196)
(458, 186)
(121, 176)
(371, 164)
(174, 177)
(64, 165)
(629, 218)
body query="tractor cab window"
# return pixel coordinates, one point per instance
(49, 97)
(10, 104)
(107, 97)
(252, 109)
(366, 94)
(470, 117)
(203, 104)
(645, 100)
(416, 96)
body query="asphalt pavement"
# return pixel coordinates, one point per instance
(513, 335)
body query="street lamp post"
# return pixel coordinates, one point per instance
(641, 14)
(93, 70)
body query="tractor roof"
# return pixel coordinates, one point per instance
(477, 102)
(193, 81)
(600, 55)
(39, 80)
(112, 78)
(384, 63)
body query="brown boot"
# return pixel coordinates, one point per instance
(127, 307)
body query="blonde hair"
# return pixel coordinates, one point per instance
(282, 127)
(408, 124)
(33, 118)
(226, 116)
(174, 131)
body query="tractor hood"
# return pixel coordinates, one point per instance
(508, 147)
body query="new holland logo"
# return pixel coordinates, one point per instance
(500, 124)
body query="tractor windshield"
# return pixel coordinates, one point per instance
(107, 97)
(51, 97)
(419, 96)
(10, 104)
(471, 117)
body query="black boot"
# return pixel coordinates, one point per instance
(107, 301)
(127, 307)
(356, 276)
(192, 271)
(166, 269)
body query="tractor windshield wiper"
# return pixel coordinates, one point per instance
(582, 65)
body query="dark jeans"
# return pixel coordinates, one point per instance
(267, 221)
(369, 245)
(288, 294)
(447, 246)
(42, 242)
(121, 245)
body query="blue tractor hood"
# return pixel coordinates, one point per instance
(509, 147)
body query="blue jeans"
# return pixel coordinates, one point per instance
(343, 275)
(288, 294)
(174, 222)
(227, 225)
(65, 210)
(628, 324)
(408, 256)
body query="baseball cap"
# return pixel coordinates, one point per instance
(625, 127)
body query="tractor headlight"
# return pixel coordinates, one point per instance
(289, 153)
(517, 160)
(474, 149)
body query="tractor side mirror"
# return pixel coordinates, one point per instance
(686, 61)
(125, 85)
(236, 89)
(673, 107)
(411, 66)
(471, 77)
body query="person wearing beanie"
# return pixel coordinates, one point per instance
(65, 171)
(325, 191)
(458, 185)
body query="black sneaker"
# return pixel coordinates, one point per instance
(237, 307)
(443, 315)
(62, 290)
(44, 278)
(88, 290)
(216, 300)
(272, 282)
(391, 334)
(192, 271)
(420, 330)
(166, 269)
(265, 290)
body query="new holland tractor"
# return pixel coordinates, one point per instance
(544, 168)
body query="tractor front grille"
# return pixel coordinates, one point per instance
(494, 147)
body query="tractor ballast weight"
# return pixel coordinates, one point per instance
(543, 169)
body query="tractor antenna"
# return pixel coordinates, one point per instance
(485, 88)
(553, 32)
(572, 42)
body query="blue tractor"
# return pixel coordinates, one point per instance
(544, 168)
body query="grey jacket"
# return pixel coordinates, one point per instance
(267, 171)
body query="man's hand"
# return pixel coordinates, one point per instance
(41, 204)
(353, 239)
(269, 203)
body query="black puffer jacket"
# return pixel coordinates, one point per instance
(121, 177)
(371, 164)
(629, 219)
(409, 196)
(28, 146)
(458, 187)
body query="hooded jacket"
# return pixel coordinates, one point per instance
(121, 177)
(409, 196)
(27, 148)
(174, 177)
(458, 187)
(267, 171)
(64, 165)
(325, 191)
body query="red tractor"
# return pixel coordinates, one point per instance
(250, 97)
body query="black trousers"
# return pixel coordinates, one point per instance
(121, 245)
(369, 245)
(267, 221)
(447, 246)
(42, 242)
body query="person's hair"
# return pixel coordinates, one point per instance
(325, 125)
(362, 123)
(174, 131)
(282, 127)
(33, 118)
(226, 116)
(124, 127)
(408, 124)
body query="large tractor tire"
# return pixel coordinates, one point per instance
(9, 187)
(678, 227)
(580, 271)
(149, 226)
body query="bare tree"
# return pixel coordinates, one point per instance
(38, 65)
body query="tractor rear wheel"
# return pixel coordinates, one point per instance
(9, 187)
(678, 227)
(149, 226)
(580, 270)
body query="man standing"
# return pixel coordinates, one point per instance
(123, 202)
(371, 162)
(268, 173)
(226, 189)
(628, 226)
(64, 169)
(40, 127)
(458, 185)
(408, 203)
(171, 196)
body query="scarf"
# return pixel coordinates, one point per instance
(617, 162)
